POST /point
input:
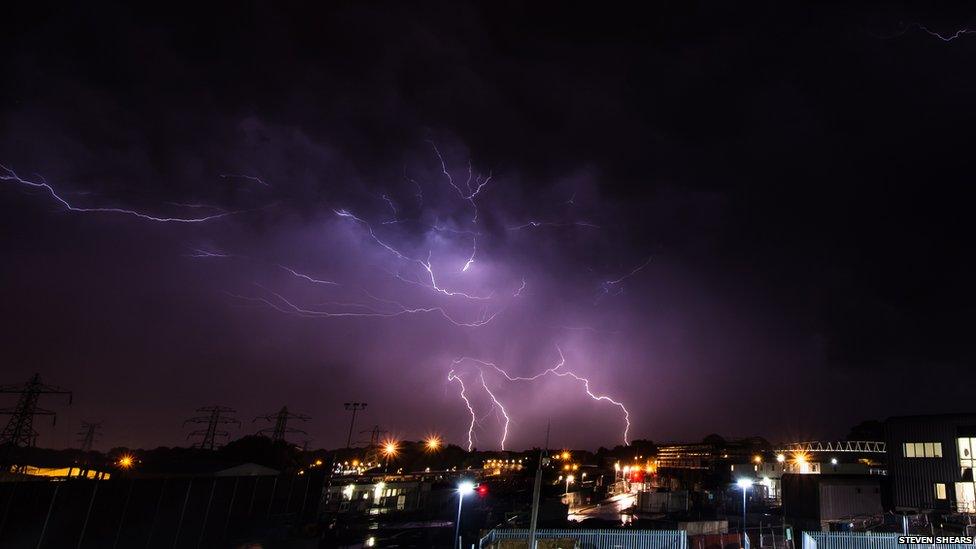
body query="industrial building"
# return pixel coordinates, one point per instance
(825, 502)
(712, 454)
(930, 462)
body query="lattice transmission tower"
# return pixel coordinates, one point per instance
(19, 431)
(89, 434)
(214, 418)
(280, 421)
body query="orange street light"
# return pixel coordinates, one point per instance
(390, 448)
(432, 443)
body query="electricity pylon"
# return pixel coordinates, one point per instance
(214, 418)
(20, 428)
(88, 434)
(280, 420)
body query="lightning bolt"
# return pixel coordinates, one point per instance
(242, 176)
(557, 370)
(10, 175)
(474, 250)
(425, 264)
(307, 277)
(537, 224)
(946, 38)
(480, 183)
(200, 253)
(943, 37)
(464, 397)
(390, 203)
(494, 399)
(284, 305)
(608, 286)
(518, 292)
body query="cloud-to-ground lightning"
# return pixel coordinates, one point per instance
(10, 175)
(418, 270)
(452, 377)
(557, 370)
(496, 403)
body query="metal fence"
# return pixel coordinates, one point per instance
(598, 539)
(854, 540)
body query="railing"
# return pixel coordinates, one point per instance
(854, 446)
(855, 540)
(598, 539)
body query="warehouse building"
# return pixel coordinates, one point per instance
(930, 462)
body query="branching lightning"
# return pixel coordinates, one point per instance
(469, 196)
(425, 264)
(10, 175)
(946, 38)
(612, 287)
(282, 304)
(557, 370)
(498, 405)
(417, 270)
(452, 377)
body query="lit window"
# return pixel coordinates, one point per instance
(940, 491)
(924, 449)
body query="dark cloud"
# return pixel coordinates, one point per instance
(799, 179)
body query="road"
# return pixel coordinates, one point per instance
(609, 509)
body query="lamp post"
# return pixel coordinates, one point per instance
(464, 487)
(744, 484)
(353, 407)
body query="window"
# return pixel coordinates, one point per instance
(966, 447)
(922, 449)
(940, 491)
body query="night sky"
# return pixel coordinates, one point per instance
(750, 221)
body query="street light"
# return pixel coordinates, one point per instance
(432, 443)
(464, 487)
(569, 480)
(744, 484)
